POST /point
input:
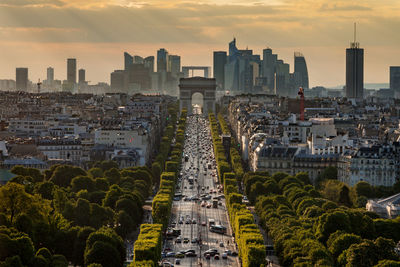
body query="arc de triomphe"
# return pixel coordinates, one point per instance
(204, 86)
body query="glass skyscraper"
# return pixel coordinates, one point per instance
(355, 71)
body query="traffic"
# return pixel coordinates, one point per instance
(199, 232)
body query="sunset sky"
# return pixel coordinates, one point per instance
(41, 33)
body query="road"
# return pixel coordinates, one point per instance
(199, 151)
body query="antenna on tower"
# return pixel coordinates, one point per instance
(355, 32)
(354, 44)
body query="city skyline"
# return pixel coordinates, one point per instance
(193, 30)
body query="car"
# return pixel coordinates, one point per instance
(187, 199)
(207, 256)
(221, 244)
(170, 254)
(190, 254)
(186, 240)
(188, 221)
(191, 187)
(203, 203)
(228, 252)
(212, 252)
(177, 261)
(178, 239)
(219, 203)
(209, 205)
(234, 253)
(224, 255)
(189, 250)
(195, 240)
(173, 224)
(179, 255)
(203, 223)
(194, 221)
(216, 257)
(163, 254)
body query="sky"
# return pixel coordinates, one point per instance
(42, 33)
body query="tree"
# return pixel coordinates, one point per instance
(45, 189)
(363, 188)
(156, 170)
(80, 245)
(100, 216)
(82, 183)
(304, 177)
(330, 173)
(95, 173)
(125, 224)
(63, 175)
(360, 254)
(102, 184)
(344, 197)
(112, 175)
(104, 247)
(331, 222)
(32, 172)
(82, 212)
(106, 165)
(102, 253)
(343, 242)
(14, 201)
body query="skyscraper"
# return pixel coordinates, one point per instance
(50, 75)
(149, 63)
(137, 60)
(300, 67)
(395, 80)
(268, 67)
(128, 60)
(174, 64)
(71, 70)
(355, 70)
(21, 78)
(219, 66)
(282, 79)
(82, 76)
(118, 81)
(162, 60)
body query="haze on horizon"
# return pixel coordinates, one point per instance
(41, 33)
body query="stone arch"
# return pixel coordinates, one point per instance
(204, 86)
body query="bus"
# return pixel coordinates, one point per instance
(218, 229)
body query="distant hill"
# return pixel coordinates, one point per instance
(375, 86)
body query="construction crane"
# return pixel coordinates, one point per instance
(301, 94)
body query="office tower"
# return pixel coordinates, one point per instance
(117, 81)
(82, 76)
(21, 79)
(71, 70)
(395, 80)
(50, 75)
(149, 63)
(268, 67)
(137, 60)
(174, 62)
(128, 60)
(355, 70)
(220, 58)
(162, 60)
(282, 78)
(300, 67)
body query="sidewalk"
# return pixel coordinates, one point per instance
(272, 259)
